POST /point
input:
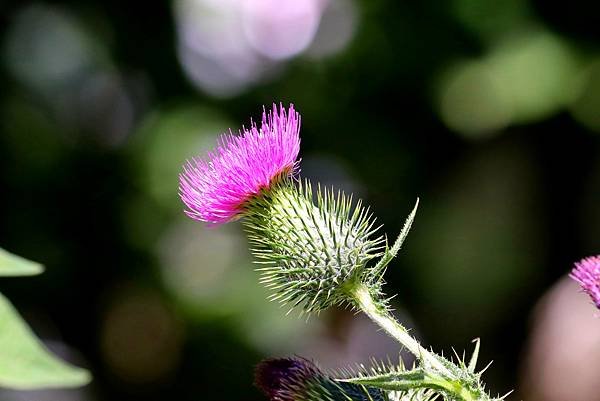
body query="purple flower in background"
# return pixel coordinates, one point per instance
(587, 274)
(298, 379)
(216, 189)
(281, 379)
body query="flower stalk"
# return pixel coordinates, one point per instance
(384, 319)
(434, 372)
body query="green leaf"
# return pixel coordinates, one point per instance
(13, 265)
(25, 363)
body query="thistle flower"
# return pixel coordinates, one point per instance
(587, 273)
(298, 379)
(216, 189)
(311, 251)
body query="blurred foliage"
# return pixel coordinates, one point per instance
(13, 265)
(488, 111)
(26, 364)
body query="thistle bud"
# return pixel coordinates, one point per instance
(298, 379)
(312, 252)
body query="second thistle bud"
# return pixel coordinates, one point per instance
(314, 246)
(298, 379)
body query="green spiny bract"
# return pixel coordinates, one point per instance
(378, 369)
(463, 383)
(313, 247)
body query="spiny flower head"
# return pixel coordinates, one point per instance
(298, 379)
(312, 251)
(587, 273)
(217, 188)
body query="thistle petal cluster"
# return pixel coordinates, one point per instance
(587, 273)
(216, 189)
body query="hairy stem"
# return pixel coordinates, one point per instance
(382, 317)
(437, 374)
(457, 390)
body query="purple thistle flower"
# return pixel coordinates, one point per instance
(587, 274)
(281, 378)
(216, 189)
(298, 379)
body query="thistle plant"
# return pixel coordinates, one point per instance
(315, 247)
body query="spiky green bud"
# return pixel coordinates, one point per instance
(313, 246)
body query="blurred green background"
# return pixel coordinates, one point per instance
(489, 111)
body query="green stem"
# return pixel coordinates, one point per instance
(442, 377)
(455, 388)
(386, 321)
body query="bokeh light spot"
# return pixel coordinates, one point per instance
(169, 137)
(197, 262)
(551, 370)
(535, 69)
(472, 102)
(586, 107)
(213, 49)
(525, 77)
(208, 273)
(46, 47)
(337, 28)
(141, 339)
(106, 108)
(227, 47)
(281, 29)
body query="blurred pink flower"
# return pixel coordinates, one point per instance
(215, 189)
(587, 274)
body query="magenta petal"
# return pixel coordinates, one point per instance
(215, 189)
(587, 274)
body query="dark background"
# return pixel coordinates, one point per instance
(488, 111)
